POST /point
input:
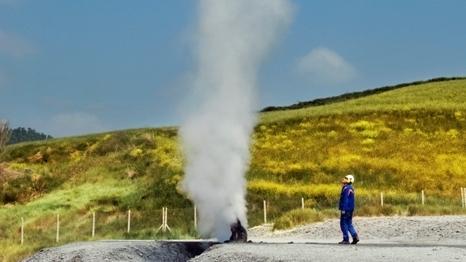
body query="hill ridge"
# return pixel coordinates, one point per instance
(354, 95)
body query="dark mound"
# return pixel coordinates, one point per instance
(123, 251)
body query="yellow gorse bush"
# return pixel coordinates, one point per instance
(167, 153)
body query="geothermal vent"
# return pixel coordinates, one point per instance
(233, 38)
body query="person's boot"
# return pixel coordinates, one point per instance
(355, 240)
(344, 242)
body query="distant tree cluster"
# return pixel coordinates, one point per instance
(4, 134)
(22, 134)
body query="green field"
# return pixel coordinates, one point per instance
(398, 142)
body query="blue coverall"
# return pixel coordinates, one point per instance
(347, 207)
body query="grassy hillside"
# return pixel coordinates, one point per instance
(354, 95)
(400, 142)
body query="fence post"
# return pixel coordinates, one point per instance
(164, 227)
(22, 231)
(195, 217)
(422, 197)
(58, 228)
(302, 202)
(166, 220)
(265, 212)
(163, 219)
(463, 196)
(129, 221)
(381, 199)
(93, 224)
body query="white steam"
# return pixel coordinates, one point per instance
(232, 39)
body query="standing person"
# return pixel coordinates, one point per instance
(346, 207)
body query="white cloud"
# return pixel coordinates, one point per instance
(326, 66)
(14, 45)
(75, 123)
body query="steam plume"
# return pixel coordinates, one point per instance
(233, 38)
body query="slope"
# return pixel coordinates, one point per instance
(400, 142)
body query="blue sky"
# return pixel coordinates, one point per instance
(81, 66)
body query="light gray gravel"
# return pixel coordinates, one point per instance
(441, 238)
(434, 238)
(330, 253)
(426, 229)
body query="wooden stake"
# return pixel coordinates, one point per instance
(93, 224)
(22, 231)
(129, 220)
(464, 197)
(163, 220)
(381, 199)
(302, 202)
(164, 227)
(166, 220)
(195, 217)
(265, 212)
(422, 197)
(463, 200)
(58, 228)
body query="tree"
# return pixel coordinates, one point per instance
(22, 134)
(4, 134)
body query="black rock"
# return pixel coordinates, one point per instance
(238, 232)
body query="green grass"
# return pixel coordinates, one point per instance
(400, 142)
(297, 217)
(357, 94)
(429, 97)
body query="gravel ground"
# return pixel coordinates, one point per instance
(428, 229)
(135, 250)
(441, 238)
(438, 238)
(330, 253)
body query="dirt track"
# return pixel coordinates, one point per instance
(382, 239)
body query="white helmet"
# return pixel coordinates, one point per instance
(349, 178)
